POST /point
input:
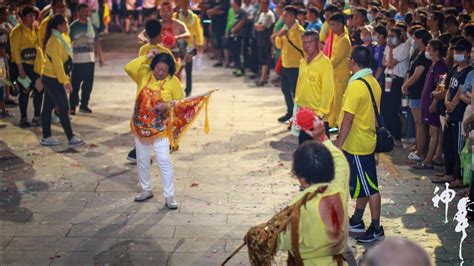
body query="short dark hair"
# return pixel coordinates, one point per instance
(451, 11)
(237, 2)
(28, 10)
(313, 162)
(424, 35)
(313, 33)
(381, 30)
(437, 45)
(464, 18)
(338, 17)
(454, 40)
(438, 16)
(451, 19)
(301, 11)
(469, 31)
(153, 28)
(55, 2)
(397, 32)
(445, 38)
(463, 45)
(362, 12)
(292, 10)
(164, 58)
(331, 8)
(313, 11)
(82, 6)
(362, 56)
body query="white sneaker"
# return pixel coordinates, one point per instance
(50, 141)
(144, 195)
(55, 119)
(171, 203)
(75, 141)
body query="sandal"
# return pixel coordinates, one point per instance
(423, 166)
(442, 179)
(456, 184)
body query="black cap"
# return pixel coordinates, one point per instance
(463, 45)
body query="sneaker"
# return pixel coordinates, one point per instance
(218, 64)
(55, 119)
(261, 83)
(50, 141)
(284, 118)
(24, 123)
(86, 110)
(75, 141)
(171, 203)
(372, 235)
(144, 195)
(36, 122)
(356, 227)
(72, 111)
(132, 156)
(238, 73)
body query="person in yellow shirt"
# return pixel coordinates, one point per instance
(152, 33)
(315, 87)
(289, 40)
(57, 62)
(323, 230)
(195, 43)
(357, 139)
(58, 7)
(157, 88)
(340, 53)
(27, 55)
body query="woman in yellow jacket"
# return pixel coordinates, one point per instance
(57, 62)
(157, 88)
(26, 54)
(340, 53)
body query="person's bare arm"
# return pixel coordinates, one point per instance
(98, 51)
(345, 129)
(413, 78)
(182, 29)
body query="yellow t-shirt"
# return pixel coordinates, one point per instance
(315, 87)
(316, 245)
(361, 139)
(290, 57)
(147, 48)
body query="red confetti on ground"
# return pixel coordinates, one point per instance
(305, 119)
(194, 184)
(92, 146)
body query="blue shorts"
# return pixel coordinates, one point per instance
(414, 103)
(363, 180)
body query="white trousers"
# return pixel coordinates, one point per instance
(163, 159)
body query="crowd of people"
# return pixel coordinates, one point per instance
(406, 65)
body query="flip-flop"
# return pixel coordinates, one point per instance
(423, 166)
(440, 180)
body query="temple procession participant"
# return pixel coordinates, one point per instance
(157, 88)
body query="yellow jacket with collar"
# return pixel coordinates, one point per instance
(55, 55)
(22, 38)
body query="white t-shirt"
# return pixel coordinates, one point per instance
(267, 19)
(402, 55)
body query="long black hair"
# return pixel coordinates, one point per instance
(164, 58)
(53, 23)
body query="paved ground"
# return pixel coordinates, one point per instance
(62, 206)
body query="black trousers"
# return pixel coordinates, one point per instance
(55, 96)
(25, 93)
(305, 137)
(289, 77)
(236, 50)
(82, 78)
(189, 77)
(250, 54)
(453, 144)
(390, 108)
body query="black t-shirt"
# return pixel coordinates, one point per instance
(219, 21)
(240, 15)
(457, 79)
(415, 90)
